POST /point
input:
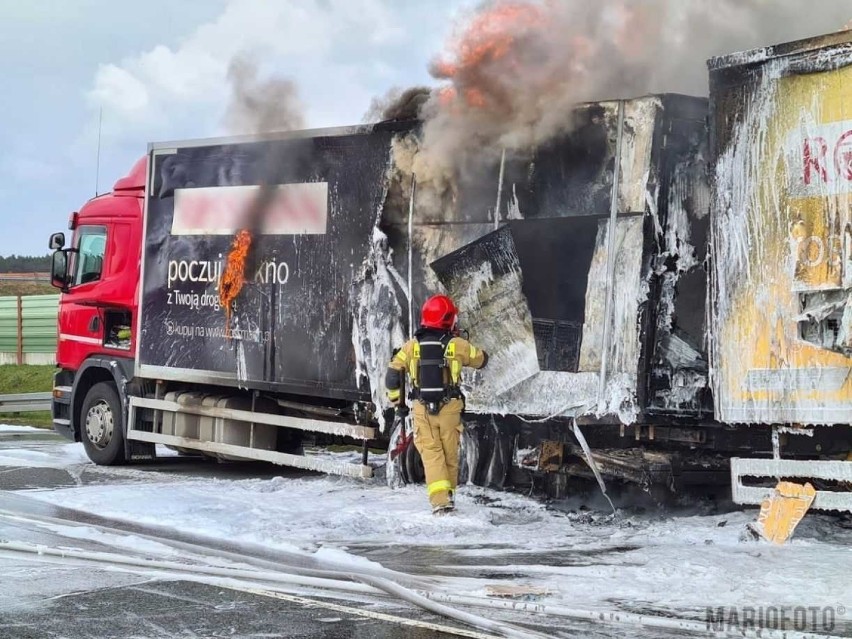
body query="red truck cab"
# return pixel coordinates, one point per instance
(99, 278)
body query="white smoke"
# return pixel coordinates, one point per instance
(514, 70)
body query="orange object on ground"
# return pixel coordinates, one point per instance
(783, 510)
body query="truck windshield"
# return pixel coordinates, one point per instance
(91, 244)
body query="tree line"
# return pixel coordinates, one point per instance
(24, 264)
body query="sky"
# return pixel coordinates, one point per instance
(157, 70)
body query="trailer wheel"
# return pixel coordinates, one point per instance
(101, 427)
(412, 465)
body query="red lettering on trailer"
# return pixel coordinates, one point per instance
(843, 156)
(815, 161)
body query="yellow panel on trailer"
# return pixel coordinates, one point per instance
(782, 233)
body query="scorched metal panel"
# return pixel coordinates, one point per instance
(292, 324)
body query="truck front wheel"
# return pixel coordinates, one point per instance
(101, 425)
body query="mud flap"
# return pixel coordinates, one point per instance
(782, 511)
(401, 437)
(411, 464)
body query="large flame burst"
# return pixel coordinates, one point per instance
(233, 277)
(485, 50)
(516, 69)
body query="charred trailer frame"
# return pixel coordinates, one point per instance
(584, 327)
(580, 265)
(606, 333)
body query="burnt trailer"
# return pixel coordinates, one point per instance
(663, 289)
(250, 378)
(586, 328)
(583, 266)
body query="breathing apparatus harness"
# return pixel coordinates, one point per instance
(434, 370)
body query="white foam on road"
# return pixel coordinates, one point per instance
(643, 561)
(680, 563)
(32, 455)
(14, 428)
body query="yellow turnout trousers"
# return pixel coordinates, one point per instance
(436, 438)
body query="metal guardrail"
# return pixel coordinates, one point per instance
(25, 277)
(25, 402)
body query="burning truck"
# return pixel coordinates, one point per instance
(662, 284)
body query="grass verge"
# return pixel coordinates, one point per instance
(26, 288)
(36, 419)
(26, 379)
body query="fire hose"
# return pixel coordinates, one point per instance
(247, 580)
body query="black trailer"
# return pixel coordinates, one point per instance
(584, 326)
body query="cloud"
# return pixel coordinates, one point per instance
(119, 90)
(182, 90)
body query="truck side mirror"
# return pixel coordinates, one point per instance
(57, 241)
(59, 270)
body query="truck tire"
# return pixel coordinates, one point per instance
(101, 425)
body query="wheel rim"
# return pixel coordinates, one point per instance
(99, 424)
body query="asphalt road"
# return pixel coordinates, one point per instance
(45, 597)
(180, 609)
(69, 574)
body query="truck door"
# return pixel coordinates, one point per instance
(80, 324)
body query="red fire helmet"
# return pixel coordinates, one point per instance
(439, 312)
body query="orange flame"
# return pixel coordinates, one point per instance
(490, 38)
(446, 96)
(233, 277)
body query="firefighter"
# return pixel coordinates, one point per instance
(433, 362)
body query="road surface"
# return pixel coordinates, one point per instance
(191, 548)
